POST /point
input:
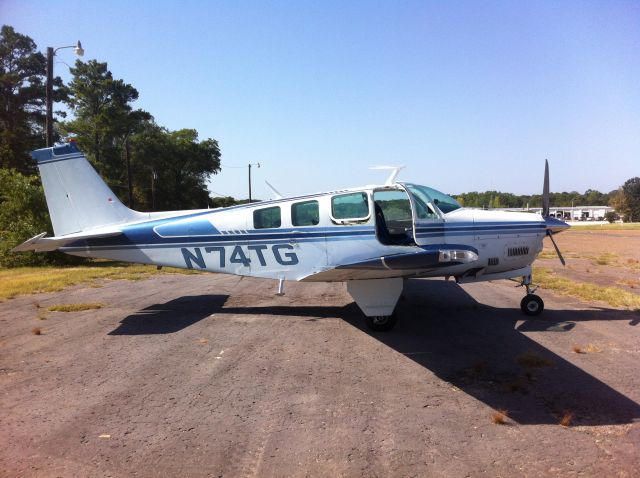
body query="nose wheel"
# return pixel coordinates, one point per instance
(530, 304)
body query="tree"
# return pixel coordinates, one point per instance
(23, 214)
(618, 202)
(22, 99)
(176, 165)
(631, 202)
(104, 119)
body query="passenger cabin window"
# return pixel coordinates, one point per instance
(267, 218)
(305, 213)
(350, 207)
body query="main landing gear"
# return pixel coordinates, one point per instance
(530, 304)
(381, 323)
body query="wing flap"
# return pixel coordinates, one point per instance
(410, 264)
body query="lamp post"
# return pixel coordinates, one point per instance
(51, 52)
(254, 164)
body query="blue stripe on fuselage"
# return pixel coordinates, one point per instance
(201, 231)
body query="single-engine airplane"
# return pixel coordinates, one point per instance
(371, 237)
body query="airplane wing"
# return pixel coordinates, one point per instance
(409, 264)
(40, 243)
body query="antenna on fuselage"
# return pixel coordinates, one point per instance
(275, 191)
(395, 170)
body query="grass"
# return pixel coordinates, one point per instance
(604, 259)
(75, 307)
(566, 419)
(633, 226)
(517, 385)
(33, 280)
(499, 417)
(532, 360)
(630, 283)
(613, 296)
(547, 255)
(586, 349)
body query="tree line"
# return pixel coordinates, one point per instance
(496, 199)
(625, 200)
(148, 166)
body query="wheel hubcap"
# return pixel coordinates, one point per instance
(380, 320)
(532, 306)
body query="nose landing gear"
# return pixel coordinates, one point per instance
(531, 304)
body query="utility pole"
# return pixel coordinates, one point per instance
(127, 153)
(51, 52)
(154, 176)
(49, 98)
(257, 165)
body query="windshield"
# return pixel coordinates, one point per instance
(426, 195)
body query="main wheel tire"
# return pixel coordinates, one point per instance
(381, 323)
(531, 305)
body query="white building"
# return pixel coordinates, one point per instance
(572, 213)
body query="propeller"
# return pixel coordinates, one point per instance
(551, 223)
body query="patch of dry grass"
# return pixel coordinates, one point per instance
(547, 255)
(630, 283)
(36, 331)
(609, 227)
(478, 369)
(586, 291)
(566, 419)
(533, 360)
(517, 385)
(604, 259)
(75, 307)
(499, 417)
(33, 280)
(587, 349)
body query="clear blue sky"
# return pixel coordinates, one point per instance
(468, 95)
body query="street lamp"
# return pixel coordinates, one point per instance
(51, 52)
(254, 164)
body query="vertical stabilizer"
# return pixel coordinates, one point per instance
(78, 199)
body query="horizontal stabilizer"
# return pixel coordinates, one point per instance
(40, 243)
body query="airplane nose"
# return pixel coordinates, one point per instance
(554, 226)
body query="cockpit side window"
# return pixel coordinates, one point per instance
(394, 222)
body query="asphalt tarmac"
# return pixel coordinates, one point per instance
(214, 375)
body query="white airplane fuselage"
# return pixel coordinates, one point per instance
(226, 240)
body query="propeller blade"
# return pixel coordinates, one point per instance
(556, 247)
(545, 191)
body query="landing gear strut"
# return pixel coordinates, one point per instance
(530, 304)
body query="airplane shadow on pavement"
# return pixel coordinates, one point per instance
(171, 316)
(475, 347)
(479, 349)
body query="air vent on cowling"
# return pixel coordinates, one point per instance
(518, 251)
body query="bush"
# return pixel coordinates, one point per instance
(23, 214)
(611, 216)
